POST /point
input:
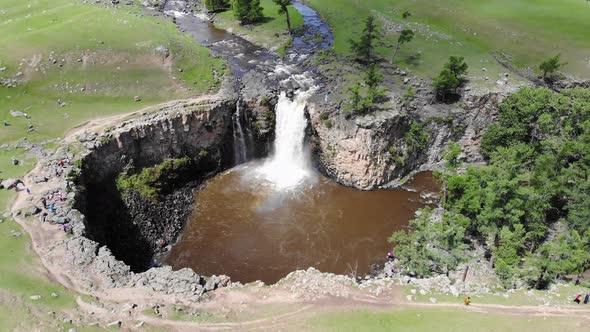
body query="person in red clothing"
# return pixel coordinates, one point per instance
(577, 299)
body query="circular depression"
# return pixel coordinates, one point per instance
(244, 228)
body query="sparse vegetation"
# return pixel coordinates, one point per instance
(363, 103)
(416, 137)
(409, 95)
(550, 66)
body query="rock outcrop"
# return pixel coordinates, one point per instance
(380, 149)
(137, 228)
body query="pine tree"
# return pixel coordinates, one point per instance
(247, 11)
(550, 66)
(363, 48)
(216, 5)
(406, 36)
(284, 10)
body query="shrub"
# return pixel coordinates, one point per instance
(150, 181)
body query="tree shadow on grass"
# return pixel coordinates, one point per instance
(412, 60)
(264, 20)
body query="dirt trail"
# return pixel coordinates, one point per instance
(100, 124)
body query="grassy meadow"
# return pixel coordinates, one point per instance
(528, 31)
(263, 33)
(440, 320)
(94, 60)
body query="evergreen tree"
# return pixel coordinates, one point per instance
(357, 103)
(363, 48)
(216, 5)
(247, 11)
(406, 36)
(550, 66)
(451, 77)
(445, 83)
(284, 10)
(457, 66)
(373, 80)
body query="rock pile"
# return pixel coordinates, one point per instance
(312, 284)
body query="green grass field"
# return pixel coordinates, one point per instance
(44, 40)
(528, 30)
(440, 320)
(263, 33)
(120, 62)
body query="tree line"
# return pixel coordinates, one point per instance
(529, 208)
(249, 11)
(446, 84)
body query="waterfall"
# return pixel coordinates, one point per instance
(289, 164)
(240, 146)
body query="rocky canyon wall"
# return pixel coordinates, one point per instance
(381, 149)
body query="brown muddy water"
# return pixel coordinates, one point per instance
(250, 232)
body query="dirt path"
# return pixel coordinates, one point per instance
(100, 124)
(45, 235)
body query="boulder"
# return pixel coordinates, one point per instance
(33, 210)
(80, 250)
(85, 137)
(116, 323)
(6, 184)
(16, 114)
(40, 179)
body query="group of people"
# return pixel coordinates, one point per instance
(61, 164)
(52, 201)
(578, 298)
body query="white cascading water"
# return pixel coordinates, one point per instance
(289, 165)
(240, 147)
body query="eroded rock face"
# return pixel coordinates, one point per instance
(136, 228)
(185, 130)
(364, 152)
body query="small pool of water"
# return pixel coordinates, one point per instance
(244, 228)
